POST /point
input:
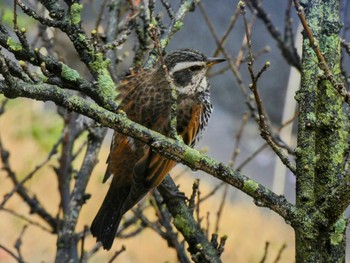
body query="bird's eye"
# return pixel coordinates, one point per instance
(195, 68)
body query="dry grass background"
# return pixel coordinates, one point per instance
(28, 134)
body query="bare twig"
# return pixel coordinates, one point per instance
(82, 246)
(264, 146)
(32, 173)
(251, 157)
(175, 25)
(32, 202)
(27, 220)
(118, 42)
(288, 24)
(192, 199)
(280, 251)
(12, 254)
(224, 37)
(264, 127)
(198, 218)
(208, 224)
(3, 105)
(222, 243)
(221, 209)
(117, 253)
(18, 243)
(41, 19)
(169, 9)
(77, 197)
(239, 134)
(263, 259)
(288, 50)
(212, 192)
(231, 63)
(100, 15)
(346, 46)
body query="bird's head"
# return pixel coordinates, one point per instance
(188, 68)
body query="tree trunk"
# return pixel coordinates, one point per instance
(320, 233)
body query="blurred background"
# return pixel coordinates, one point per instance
(28, 130)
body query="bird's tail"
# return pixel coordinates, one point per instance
(106, 222)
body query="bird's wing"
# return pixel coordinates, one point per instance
(129, 83)
(124, 150)
(191, 131)
(152, 167)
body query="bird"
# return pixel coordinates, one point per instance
(146, 98)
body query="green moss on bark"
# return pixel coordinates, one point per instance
(69, 73)
(75, 13)
(322, 140)
(104, 79)
(13, 45)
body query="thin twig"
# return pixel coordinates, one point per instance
(221, 208)
(117, 253)
(199, 219)
(264, 146)
(263, 259)
(280, 251)
(32, 173)
(100, 15)
(15, 25)
(212, 192)
(192, 199)
(2, 106)
(264, 127)
(346, 46)
(32, 202)
(251, 157)
(231, 25)
(18, 243)
(288, 50)
(169, 9)
(82, 247)
(19, 260)
(231, 63)
(288, 24)
(239, 134)
(29, 221)
(208, 224)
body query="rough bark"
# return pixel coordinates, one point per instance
(320, 233)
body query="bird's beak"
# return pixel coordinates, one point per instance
(213, 61)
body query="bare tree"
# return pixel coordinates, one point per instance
(84, 92)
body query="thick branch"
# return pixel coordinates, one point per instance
(199, 246)
(170, 148)
(67, 248)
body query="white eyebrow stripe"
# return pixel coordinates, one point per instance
(183, 65)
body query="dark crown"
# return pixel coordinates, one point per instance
(183, 55)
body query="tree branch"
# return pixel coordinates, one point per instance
(170, 148)
(199, 246)
(339, 86)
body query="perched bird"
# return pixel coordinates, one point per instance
(146, 99)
